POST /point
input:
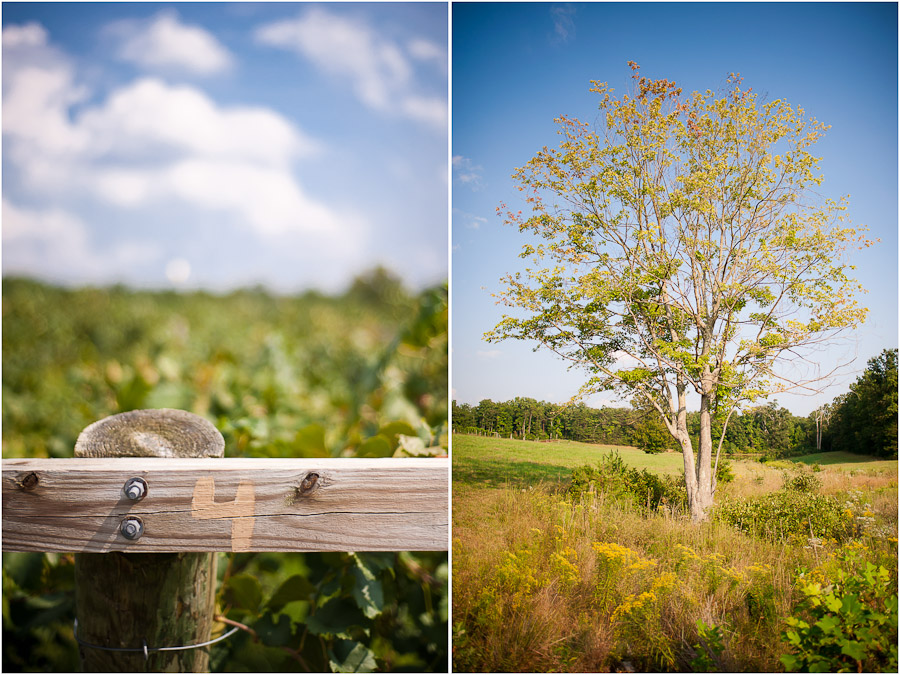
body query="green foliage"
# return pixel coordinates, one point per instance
(767, 429)
(709, 648)
(847, 625)
(790, 514)
(865, 419)
(724, 473)
(38, 611)
(345, 612)
(651, 436)
(801, 482)
(669, 191)
(547, 581)
(361, 374)
(643, 488)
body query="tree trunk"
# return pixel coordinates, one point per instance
(128, 600)
(697, 472)
(703, 494)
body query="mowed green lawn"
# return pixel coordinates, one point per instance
(500, 461)
(845, 461)
(493, 462)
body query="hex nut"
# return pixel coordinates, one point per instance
(132, 528)
(135, 489)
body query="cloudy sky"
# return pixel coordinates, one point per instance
(518, 66)
(220, 145)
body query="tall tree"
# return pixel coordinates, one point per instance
(684, 249)
(865, 419)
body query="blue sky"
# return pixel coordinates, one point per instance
(516, 67)
(218, 145)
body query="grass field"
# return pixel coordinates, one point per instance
(500, 461)
(546, 581)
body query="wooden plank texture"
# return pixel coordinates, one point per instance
(64, 505)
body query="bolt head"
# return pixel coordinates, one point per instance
(135, 489)
(132, 528)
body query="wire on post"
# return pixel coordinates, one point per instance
(146, 650)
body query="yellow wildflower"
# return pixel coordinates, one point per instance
(664, 582)
(641, 565)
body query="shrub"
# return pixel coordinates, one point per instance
(787, 513)
(642, 488)
(724, 473)
(802, 482)
(850, 625)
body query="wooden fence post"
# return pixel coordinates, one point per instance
(128, 600)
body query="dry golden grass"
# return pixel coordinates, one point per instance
(714, 571)
(544, 582)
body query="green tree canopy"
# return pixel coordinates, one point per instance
(865, 419)
(682, 247)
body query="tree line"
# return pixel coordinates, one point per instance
(862, 421)
(767, 429)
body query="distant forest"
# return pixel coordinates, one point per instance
(863, 421)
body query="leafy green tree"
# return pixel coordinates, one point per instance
(682, 247)
(486, 415)
(865, 419)
(463, 416)
(651, 436)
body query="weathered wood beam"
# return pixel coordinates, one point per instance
(205, 505)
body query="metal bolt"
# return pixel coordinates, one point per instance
(135, 489)
(132, 528)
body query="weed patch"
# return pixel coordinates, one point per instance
(790, 514)
(644, 489)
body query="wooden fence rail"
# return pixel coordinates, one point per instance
(206, 505)
(148, 499)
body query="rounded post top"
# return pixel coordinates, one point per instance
(151, 433)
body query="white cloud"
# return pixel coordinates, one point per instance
(432, 111)
(164, 43)
(470, 220)
(563, 24)
(149, 142)
(150, 115)
(428, 52)
(268, 198)
(378, 69)
(466, 171)
(28, 35)
(425, 50)
(36, 103)
(489, 354)
(56, 243)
